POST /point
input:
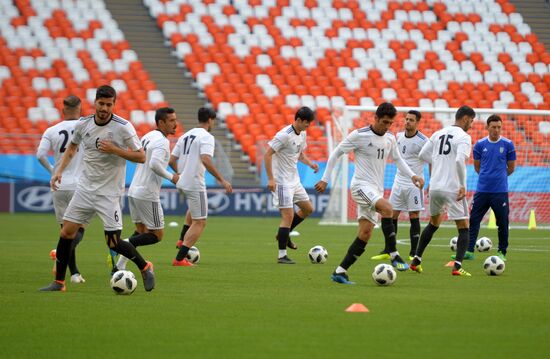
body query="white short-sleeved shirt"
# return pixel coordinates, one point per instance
(287, 145)
(371, 154)
(189, 148)
(409, 148)
(146, 183)
(444, 146)
(103, 173)
(57, 138)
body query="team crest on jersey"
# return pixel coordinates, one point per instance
(502, 150)
(370, 144)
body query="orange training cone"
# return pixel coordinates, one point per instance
(357, 308)
(450, 264)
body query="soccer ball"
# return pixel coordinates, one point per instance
(494, 265)
(123, 282)
(483, 244)
(193, 256)
(318, 255)
(384, 274)
(453, 243)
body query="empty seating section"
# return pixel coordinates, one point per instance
(257, 61)
(52, 48)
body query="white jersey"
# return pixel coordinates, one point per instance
(443, 148)
(371, 154)
(288, 145)
(103, 173)
(189, 148)
(57, 138)
(409, 148)
(146, 183)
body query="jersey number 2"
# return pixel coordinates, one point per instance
(65, 135)
(444, 142)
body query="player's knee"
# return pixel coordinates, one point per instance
(67, 233)
(159, 233)
(307, 210)
(364, 234)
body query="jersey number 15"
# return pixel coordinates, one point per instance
(444, 144)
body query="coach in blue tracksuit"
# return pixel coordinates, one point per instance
(494, 160)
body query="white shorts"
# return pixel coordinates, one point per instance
(197, 203)
(61, 199)
(84, 205)
(366, 198)
(148, 213)
(439, 201)
(407, 198)
(285, 196)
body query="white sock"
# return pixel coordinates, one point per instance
(419, 258)
(121, 263)
(393, 255)
(282, 253)
(340, 270)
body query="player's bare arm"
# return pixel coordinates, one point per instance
(477, 165)
(173, 163)
(268, 160)
(107, 146)
(65, 160)
(511, 167)
(304, 159)
(207, 162)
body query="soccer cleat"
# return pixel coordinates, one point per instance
(55, 286)
(460, 272)
(111, 260)
(501, 256)
(183, 263)
(148, 276)
(417, 268)
(77, 278)
(399, 263)
(382, 256)
(341, 278)
(411, 257)
(467, 256)
(179, 244)
(285, 260)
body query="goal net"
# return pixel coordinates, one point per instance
(529, 185)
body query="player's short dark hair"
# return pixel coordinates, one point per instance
(105, 91)
(304, 114)
(465, 111)
(206, 114)
(493, 118)
(71, 102)
(162, 113)
(416, 113)
(386, 109)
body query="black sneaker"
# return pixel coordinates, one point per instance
(285, 260)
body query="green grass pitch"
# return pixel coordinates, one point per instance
(238, 303)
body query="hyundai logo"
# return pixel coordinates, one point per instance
(36, 198)
(217, 202)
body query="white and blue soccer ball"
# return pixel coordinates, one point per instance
(193, 256)
(384, 274)
(318, 255)
(453, 243)
(493, 265)
(484, 244)
(123, 282)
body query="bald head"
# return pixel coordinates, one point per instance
(71, 107)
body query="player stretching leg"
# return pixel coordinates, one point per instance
(372, 145)
(55, 139)
(107, 141)
(283, 153)
(405, 196)
(448, 150)
(192, 155)
(144, 192)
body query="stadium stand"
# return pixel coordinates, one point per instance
(50, 49)
(257, 61)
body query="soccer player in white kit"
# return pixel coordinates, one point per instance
(144, 191)
(191, 156)
(56, 140)
(106, 141)
(405, 196)
(448, 150)
(372, 146)
(281, 158)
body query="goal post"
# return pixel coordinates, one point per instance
(529, 185)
